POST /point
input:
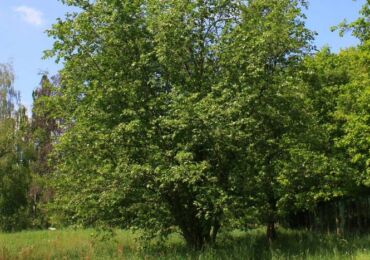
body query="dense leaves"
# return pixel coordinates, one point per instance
(15, 153)
(177, 113)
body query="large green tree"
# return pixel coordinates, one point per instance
(182, 114)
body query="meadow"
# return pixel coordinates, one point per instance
(87, 244)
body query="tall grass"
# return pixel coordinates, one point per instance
(84, 244)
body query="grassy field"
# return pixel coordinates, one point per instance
(83, 244)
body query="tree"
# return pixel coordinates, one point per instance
(352, 107)
(130, 135)
(45, 124)
(44, 131)
(176, 112)
(354, 112)
(336, 82)
(359, 27)
(287, 168)
(14, 155)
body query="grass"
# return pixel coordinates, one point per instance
(83, 244)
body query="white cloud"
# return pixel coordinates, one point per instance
(30, 15)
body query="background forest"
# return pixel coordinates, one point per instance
(196, 117)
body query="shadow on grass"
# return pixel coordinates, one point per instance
(254, 245)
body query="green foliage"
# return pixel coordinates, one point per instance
(349, 112)
(44, 130)
(339, 90)
(184, 115)
(282, 150)
(44, 124)
(360, 27)
(13, 179)
(327, 74)
(15, 154)
(353, 111)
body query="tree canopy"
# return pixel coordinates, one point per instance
(177, 113)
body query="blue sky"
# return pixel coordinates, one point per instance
(23, 23)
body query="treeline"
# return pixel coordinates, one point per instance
(196, 117)
(25, 144)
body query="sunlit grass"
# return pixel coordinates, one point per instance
(84, 244)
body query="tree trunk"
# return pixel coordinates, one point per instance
(337, 219)
(271, 220)
(194, 239)
(197, 232)
(197, 238)
(271, 231)
(216, 227)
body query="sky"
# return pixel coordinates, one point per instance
(23, 39)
